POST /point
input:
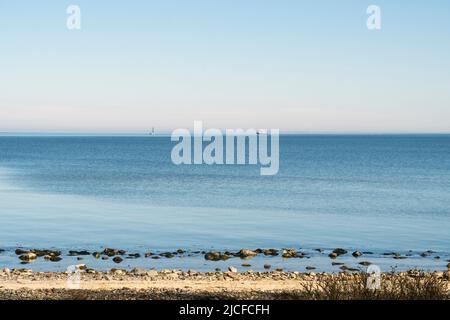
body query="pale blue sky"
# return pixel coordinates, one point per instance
(306, 66)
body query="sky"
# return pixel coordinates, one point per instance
(298, 66)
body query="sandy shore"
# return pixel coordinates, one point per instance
(172, 284)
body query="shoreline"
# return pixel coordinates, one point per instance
(258, 260)
(174, 285)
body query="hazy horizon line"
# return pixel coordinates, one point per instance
(168, 133)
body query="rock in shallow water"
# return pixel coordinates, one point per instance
(28, 256)
(96, 255)
(113, 252)
(289, 253)
(245, 253)
(117, 259)
(216, 256)
(270, 252)
(357, 254)
(340, 251)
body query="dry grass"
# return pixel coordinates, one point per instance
(393, 287)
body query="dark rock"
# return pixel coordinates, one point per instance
(96, 255)
(134, 255)
(367, 252)
(28, 256)
(268, 266)
(216, 256)
(279, 269)
(148, 254)
(448, 266)
(310, 268)
(180, 251)
(343, 268)
(113, 252)
(20, 252)
(337, 263)
(340, 251)
(289, 253)
(365, 263)
(41, 253)
(333, 255)
(246, 265)
(55, 258)
(79, 253)
(167, 255)
(399, 257)
(117, 259)
(357, 254)
(105, 258)
(270, 252)
(156, 257)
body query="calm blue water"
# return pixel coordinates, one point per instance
(366, 192)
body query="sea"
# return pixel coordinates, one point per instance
(372, 193)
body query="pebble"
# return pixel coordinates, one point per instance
(232, 269)
(333, 255)
(246, 265)
(138, 271)
(357, 254)
(365, 263)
